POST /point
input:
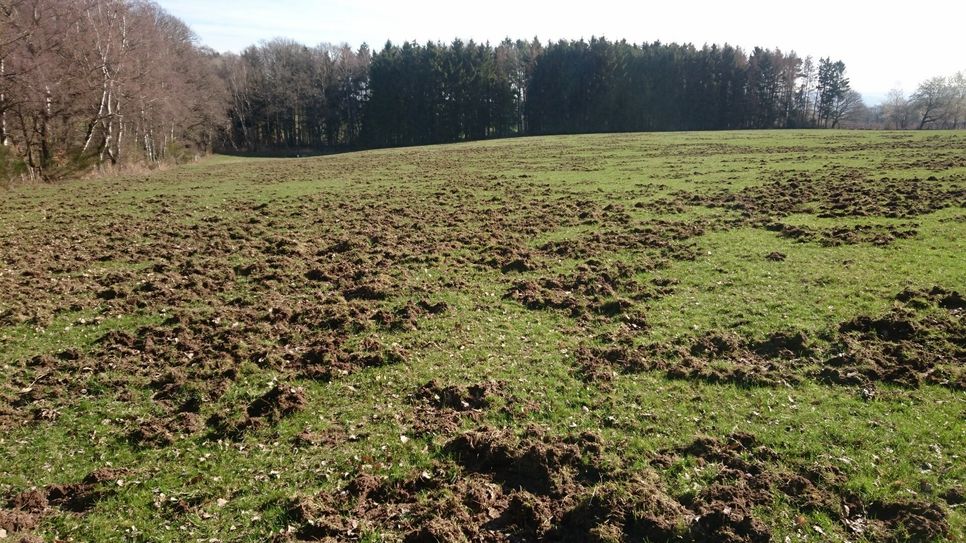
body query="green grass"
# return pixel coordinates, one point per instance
(892, 447)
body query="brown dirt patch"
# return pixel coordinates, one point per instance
(276, 404)
(24, 511)
(872, 234)
(536, 464)
(166, 431)
(528, 488)
(775, 256)
(668, 239)
(750, 476)
(922, 340)
(439, 409)
(837, 193)
(328, 359)
(535, 487)
(715, 358)
(594, 291)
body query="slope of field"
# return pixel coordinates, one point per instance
(740, 337)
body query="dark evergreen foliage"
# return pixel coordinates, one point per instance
(411, 94)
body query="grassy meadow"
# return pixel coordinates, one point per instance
(720, 336)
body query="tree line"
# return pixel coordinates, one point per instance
(938, 102)
(107, 83)
(101, 82)
(287, 95)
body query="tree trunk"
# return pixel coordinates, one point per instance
(4, 140)
(108, 124)
(46, 155)
(120, 133)
(100, 113)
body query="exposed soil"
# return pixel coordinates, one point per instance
(24, 511)
(164, 432)
(441, 409)
(715, 358)
(188, 304)
(922, 340)
(836, 193)
(536, 487)
(528, 488)
(747, 477)
(594, 291)
(844, 235)
(668, 238)
(279, 402)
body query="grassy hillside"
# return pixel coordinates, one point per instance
(704, 336)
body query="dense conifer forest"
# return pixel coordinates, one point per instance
(100, 84)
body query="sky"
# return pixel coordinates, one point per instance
(884, 45)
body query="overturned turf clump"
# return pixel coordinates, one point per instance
(328, 359)
(593, 292)
(922, 340)
(844, 235)
(23, 512)
(164, 432)
(749, 476)
(669, 238)
(510, 259)
(714, 358)
(457, 398)
(529, 488)
(278, 402)
(835, 194)
(407, 317)
(536, 487)
(441, 410)
(269, 408)
(536, 464)
(902, 520)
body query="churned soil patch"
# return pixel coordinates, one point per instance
(921, 340)
(22, 512)
(719, 357)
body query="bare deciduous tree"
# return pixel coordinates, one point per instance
(932, 99)
(845, 105)
(957, 107)
(897, 110)
(89, 82)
